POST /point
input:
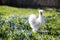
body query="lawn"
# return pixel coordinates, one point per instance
(14, 24)
(7, 10)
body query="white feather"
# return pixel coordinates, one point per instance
(36, 23)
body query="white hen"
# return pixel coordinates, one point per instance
(36, 23)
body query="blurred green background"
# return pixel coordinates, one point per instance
(14, 24)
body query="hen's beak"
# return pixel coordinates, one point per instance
(41, 13)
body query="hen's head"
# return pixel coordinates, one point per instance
(40, 11)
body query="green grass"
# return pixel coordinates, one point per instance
(7, 21)
(7, 10)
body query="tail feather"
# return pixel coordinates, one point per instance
(32, 17)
